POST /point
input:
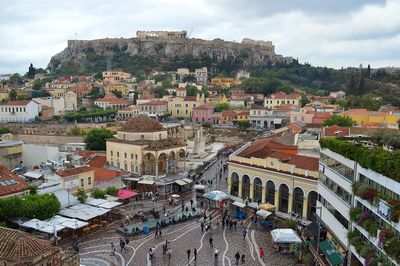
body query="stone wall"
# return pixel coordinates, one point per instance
(55, 140)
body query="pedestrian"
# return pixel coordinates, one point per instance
(237, 258)
(156, 233)
(159, 233)
(164, 249)
(234, 224)
(188, 253)
(230, 225)
(112, 249)
(211, 241)
(195, 253)
(210, 216)
(244, 232)
(202, 226)
(164, 209)
(227, 222)
(242, 259)
(151, 253)
(169, 252)
(216, 254)
(191, 203)
(261, 252)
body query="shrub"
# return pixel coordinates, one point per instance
(367, 249)
(369, 194)
(112, 191)
(355, 214)
(372, 227)
(290, 224)
(391, 247)
(81, 195)
(98, 194)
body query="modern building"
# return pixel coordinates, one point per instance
(268, 171)
(261, 117)
(281, 98)
(360, 205)
(19, 111)
(75, 178)
(142, 146)
(11, 185)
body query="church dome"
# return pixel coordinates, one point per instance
(142, 123)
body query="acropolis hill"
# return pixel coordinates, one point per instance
(166, 45)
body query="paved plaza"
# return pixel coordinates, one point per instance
(96, 248)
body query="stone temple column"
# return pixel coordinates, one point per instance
(156, 162)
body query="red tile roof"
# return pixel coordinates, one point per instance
(86, 153)
(190, 98)
(228, 113)
(295, 128)
(98, 161)
(286, 107)
(18, 185)
(282, 95)
(205, 106)
(17, 103)
(334, 130)
(181, 89)
(102, 174)
(74, 171)
(362, 112)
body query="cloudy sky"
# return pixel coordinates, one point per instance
(331, 33)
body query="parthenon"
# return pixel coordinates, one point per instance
(162, 34)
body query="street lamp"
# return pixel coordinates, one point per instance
(319, 227)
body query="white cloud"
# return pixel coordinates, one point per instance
(335, 34)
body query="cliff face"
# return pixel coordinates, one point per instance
(250, 52)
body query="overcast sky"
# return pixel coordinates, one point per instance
(331, 33)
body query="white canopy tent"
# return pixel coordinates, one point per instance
(110, 204)
(263, 213)
(216, 195)
(238, 204)
(285, 236)
(83, 212)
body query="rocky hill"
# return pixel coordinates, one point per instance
(85, 56)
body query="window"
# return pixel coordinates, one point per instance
(335, 188)
(89, 180)
(142, 137)
(82, 182)
(125, 155)
(117, 153)
(112, 153)
(159, 136)
(135, 156)
(337, 167)
(131, 156)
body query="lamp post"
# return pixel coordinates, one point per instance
(319, 227)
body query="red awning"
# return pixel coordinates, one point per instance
(125, 194)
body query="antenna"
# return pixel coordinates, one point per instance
(190, 33)
(75, 35)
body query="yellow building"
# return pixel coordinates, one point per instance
(75, 178)
(57, 92)
(267, 171)
(142, 146)
(116, 87)
(363, 117)
(216, 99)
(115, 76)
(242, 116)
(281, 98)
(225, 81)
(182, 107)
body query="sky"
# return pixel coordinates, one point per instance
(333, 33)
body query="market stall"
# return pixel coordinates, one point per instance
(239, 210)
(283, 238)
(216, 198)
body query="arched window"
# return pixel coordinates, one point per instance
(283, 198)
(234, 184)
(246, 186)
(257, 186)
(271, 192)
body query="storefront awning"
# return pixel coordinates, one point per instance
(146, 182)
(331, 253)
(180, 182)
(267, 207)
(187, 180)
(126, 194)
(263, 213)
(238, 204)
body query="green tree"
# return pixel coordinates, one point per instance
(4, 130)
(304, 101)
(37, 85)
(221, 106)
(98, 194)
(117, 93)
(95, 93)
(31, 72)
(343, 121)
(21, 97)
(352, 85)
(75, 131)
(160, 91)
(16, 79)
(189, 78)
(96, 139)
(361, 86)
(81, 195)
(12, 95)
(112, 191)
(32, 190)
(191, 90)
(243, 125)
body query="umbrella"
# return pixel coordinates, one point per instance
(216, 195)
(175, 196)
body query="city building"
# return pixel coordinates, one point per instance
(11, 185)
(143, 146)
(224, 81)
(201, 75)
(19, 111)
(203, 113)
(128, 112)
(75, 178)
(216, 99)
(281, 98)
(360, 205)
(242, 74)
(268, 171)
(261, 117)
(11, 153)
(115, 76)
(162, 34)
(363, 117)
(110, 101)
(154, 108)
(338, 95)
(182, 107)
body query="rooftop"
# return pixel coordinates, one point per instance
(17, 103)
(103, 174)
(97, 161)
(142, 123)
(204, 107)
(10, 183)
(155, 103)
(282, 95)
(74, 171)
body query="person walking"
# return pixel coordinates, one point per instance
(169, 252)
(242, 260)
(216, 252)
(230, 225)
(244, 232)
(211, 241)
(188, 253)
(156, 233)
(195, 253)
(112, 249)
(234, 224)
(191, 203)
(202, 226)
(261, 253)
(237, 258)
(159, 233)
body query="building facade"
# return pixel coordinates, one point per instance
(201, 75)
(203, 113)
(19, 111)
(281, 98)
(261, 117)
(77, 178)
(267, 171)
(114, 76)
(154, 108)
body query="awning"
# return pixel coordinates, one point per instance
(126, 194)
(238, 204)
(285, 236)
(110, 204)
(267, 207)
(331, 253)
(146, 182)
(33, 174)
(180, 182)
(216, 195)
(187, 180)
(200, 187)
(263, 213)
(132, 179)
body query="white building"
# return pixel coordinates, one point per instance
(20, 111)
(58, 104)
(201, 76)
